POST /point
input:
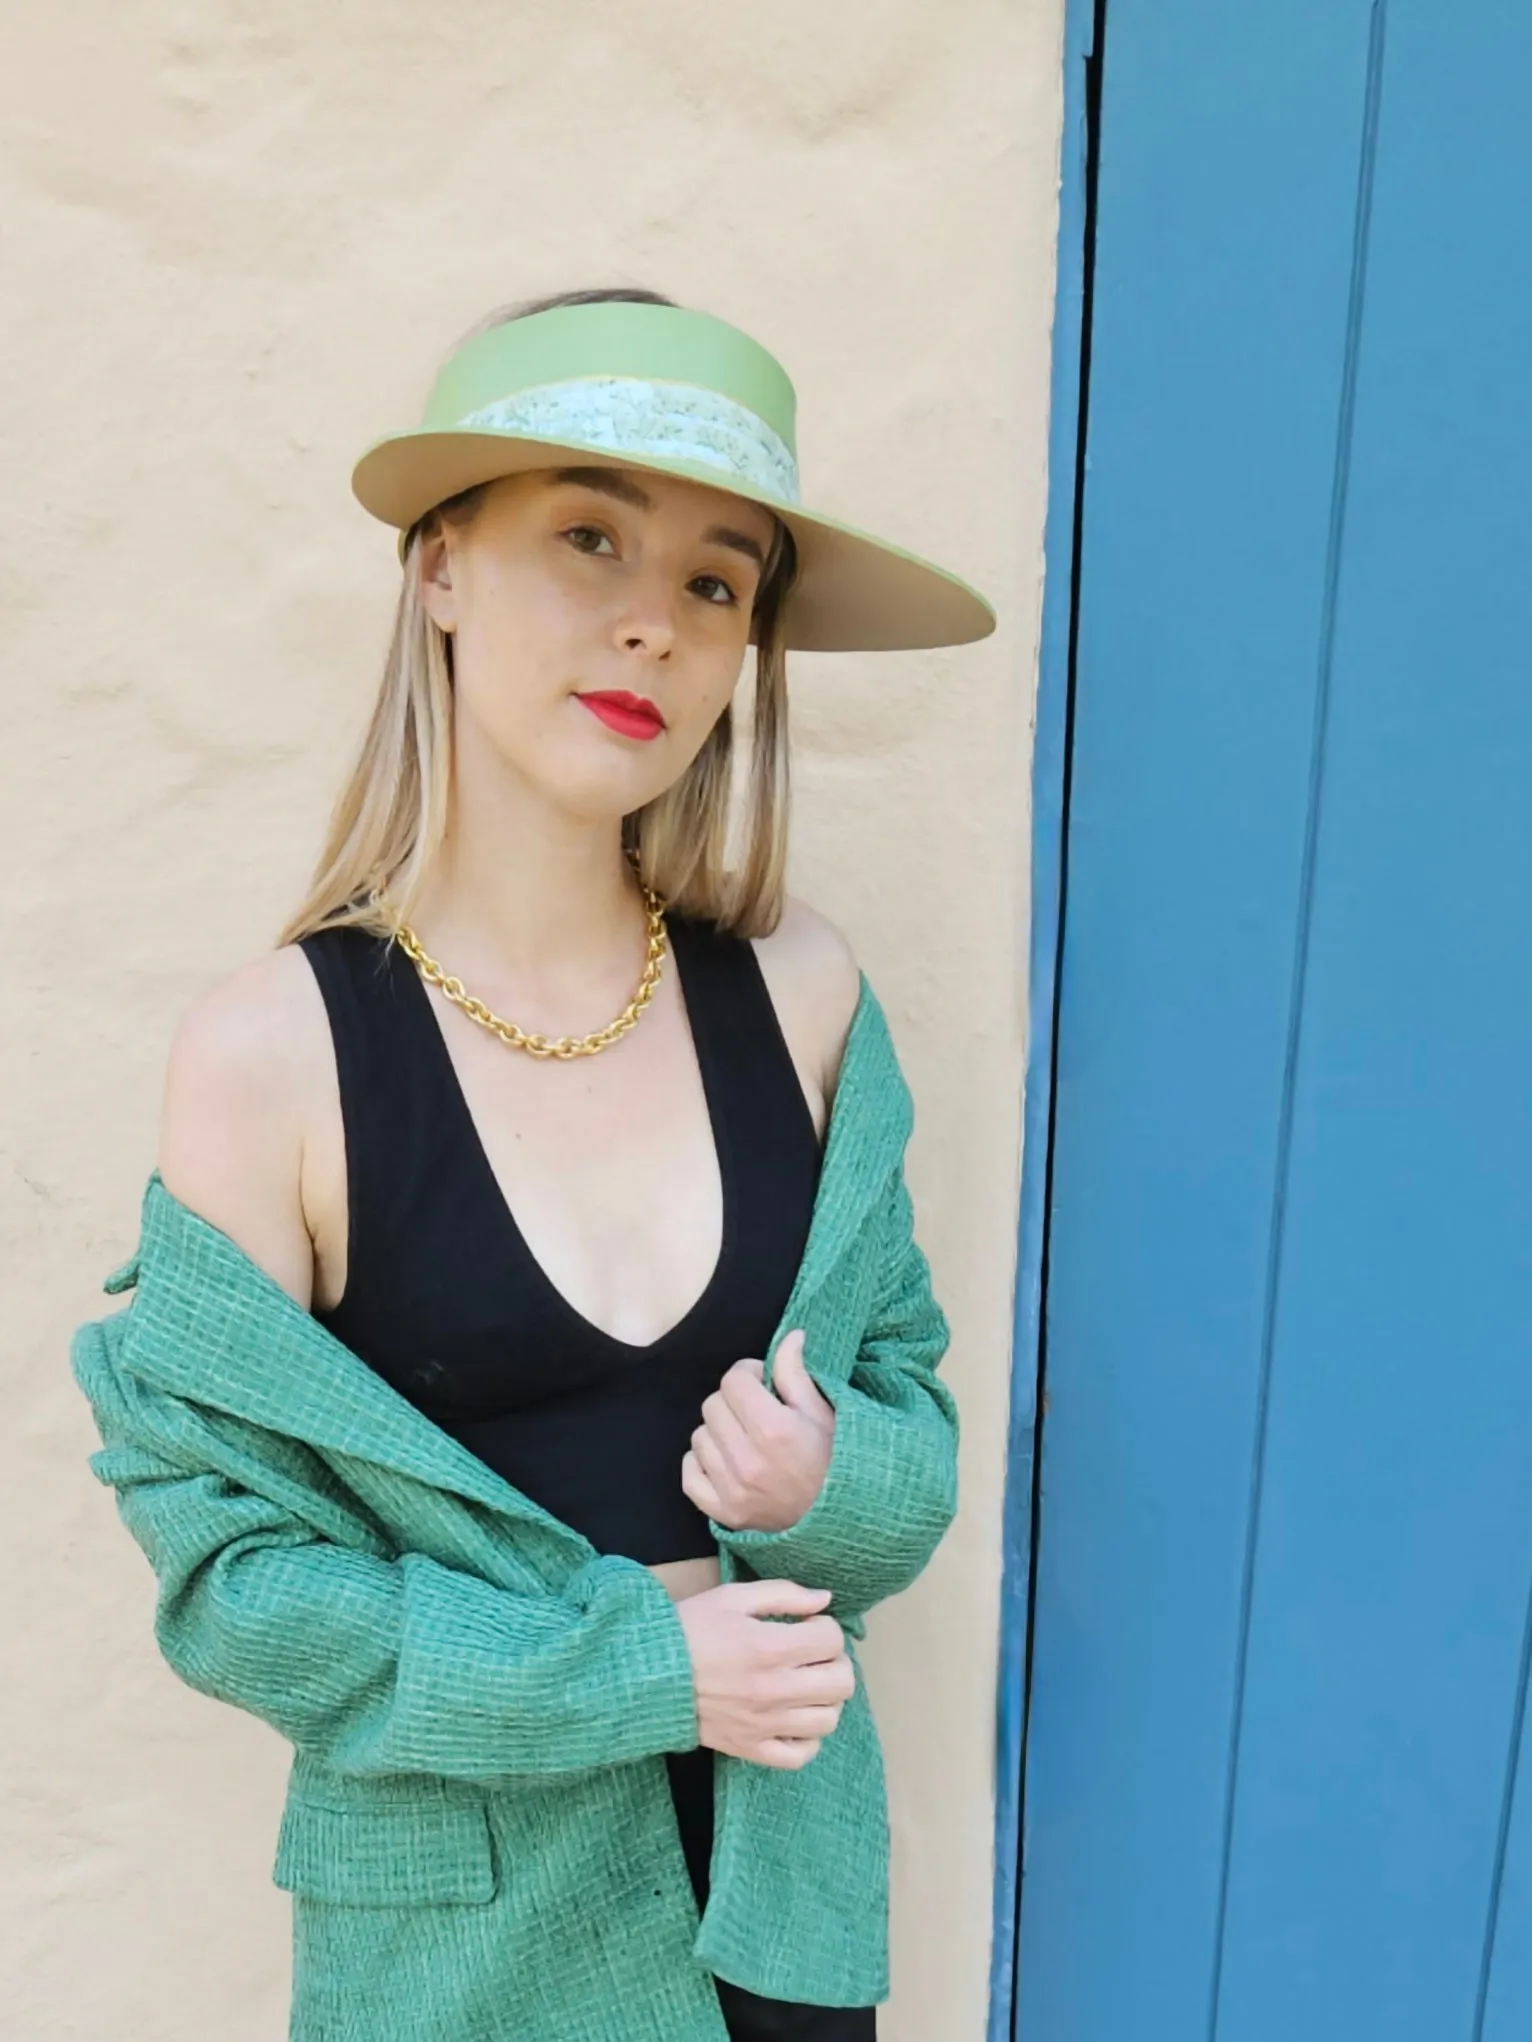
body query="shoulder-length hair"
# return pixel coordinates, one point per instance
(390, 817)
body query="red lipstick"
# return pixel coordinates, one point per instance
(630, 715)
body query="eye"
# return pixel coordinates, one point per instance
(576, 533)
(717, 582)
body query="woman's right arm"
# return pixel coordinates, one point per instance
(250, 1115)
(382, 1662)
(374, 1661)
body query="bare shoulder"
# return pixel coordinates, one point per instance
(245, 1072)
(815, 982)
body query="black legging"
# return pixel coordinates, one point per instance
(748, 2017)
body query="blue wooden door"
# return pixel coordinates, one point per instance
(1284, 1567)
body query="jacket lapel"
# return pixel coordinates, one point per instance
(870, 1122)
(208, 1323)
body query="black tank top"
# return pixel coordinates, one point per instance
(445, 1299)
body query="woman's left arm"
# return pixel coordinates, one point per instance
(890, 1489)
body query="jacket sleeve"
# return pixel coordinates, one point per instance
(380, 1663)
(890, 1490)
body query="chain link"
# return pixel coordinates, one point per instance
(563, 1046)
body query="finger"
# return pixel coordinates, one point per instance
(819, 1637)
(718, 1473)
(696, 1485)
(806, 1720)
(813, 1719)
(790, 1754)
(757, 1409)
(791, 1381)
(777, 1596)
(791, 1344)
(721, 1424)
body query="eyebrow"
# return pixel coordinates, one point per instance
(618, 485)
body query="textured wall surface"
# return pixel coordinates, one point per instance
(237, 236)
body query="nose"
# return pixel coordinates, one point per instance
(647, 620)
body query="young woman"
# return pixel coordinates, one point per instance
(527, 1110)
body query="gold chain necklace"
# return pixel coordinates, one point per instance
(564, 1046)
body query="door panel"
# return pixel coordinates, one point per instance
(1203, 595)
(1286, 1516)
(1395, 1530)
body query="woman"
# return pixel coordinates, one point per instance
(526, 1113)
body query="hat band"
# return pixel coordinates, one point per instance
(670, 421)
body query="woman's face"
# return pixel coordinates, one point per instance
(573, 583)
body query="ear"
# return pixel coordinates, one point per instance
(437, 593)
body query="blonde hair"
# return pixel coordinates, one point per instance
(390, 818)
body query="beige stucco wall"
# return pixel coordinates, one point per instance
(238, 234)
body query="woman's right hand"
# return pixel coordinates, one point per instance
(767, 1692)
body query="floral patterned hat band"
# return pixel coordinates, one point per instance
(623, 384)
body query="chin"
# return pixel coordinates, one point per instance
(604, 796)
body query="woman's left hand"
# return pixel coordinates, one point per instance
(758, 1459)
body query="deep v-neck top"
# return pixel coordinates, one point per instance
(445, 1299)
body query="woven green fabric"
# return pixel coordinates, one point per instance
(478, 1834)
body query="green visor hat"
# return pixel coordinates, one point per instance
(630, 385)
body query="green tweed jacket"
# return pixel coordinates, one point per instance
(478, 1835)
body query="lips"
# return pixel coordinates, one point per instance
(630, 715)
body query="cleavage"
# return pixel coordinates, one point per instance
(607, 1168)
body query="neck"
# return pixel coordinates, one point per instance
(534, 907)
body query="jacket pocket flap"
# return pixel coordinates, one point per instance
(426, 1852)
